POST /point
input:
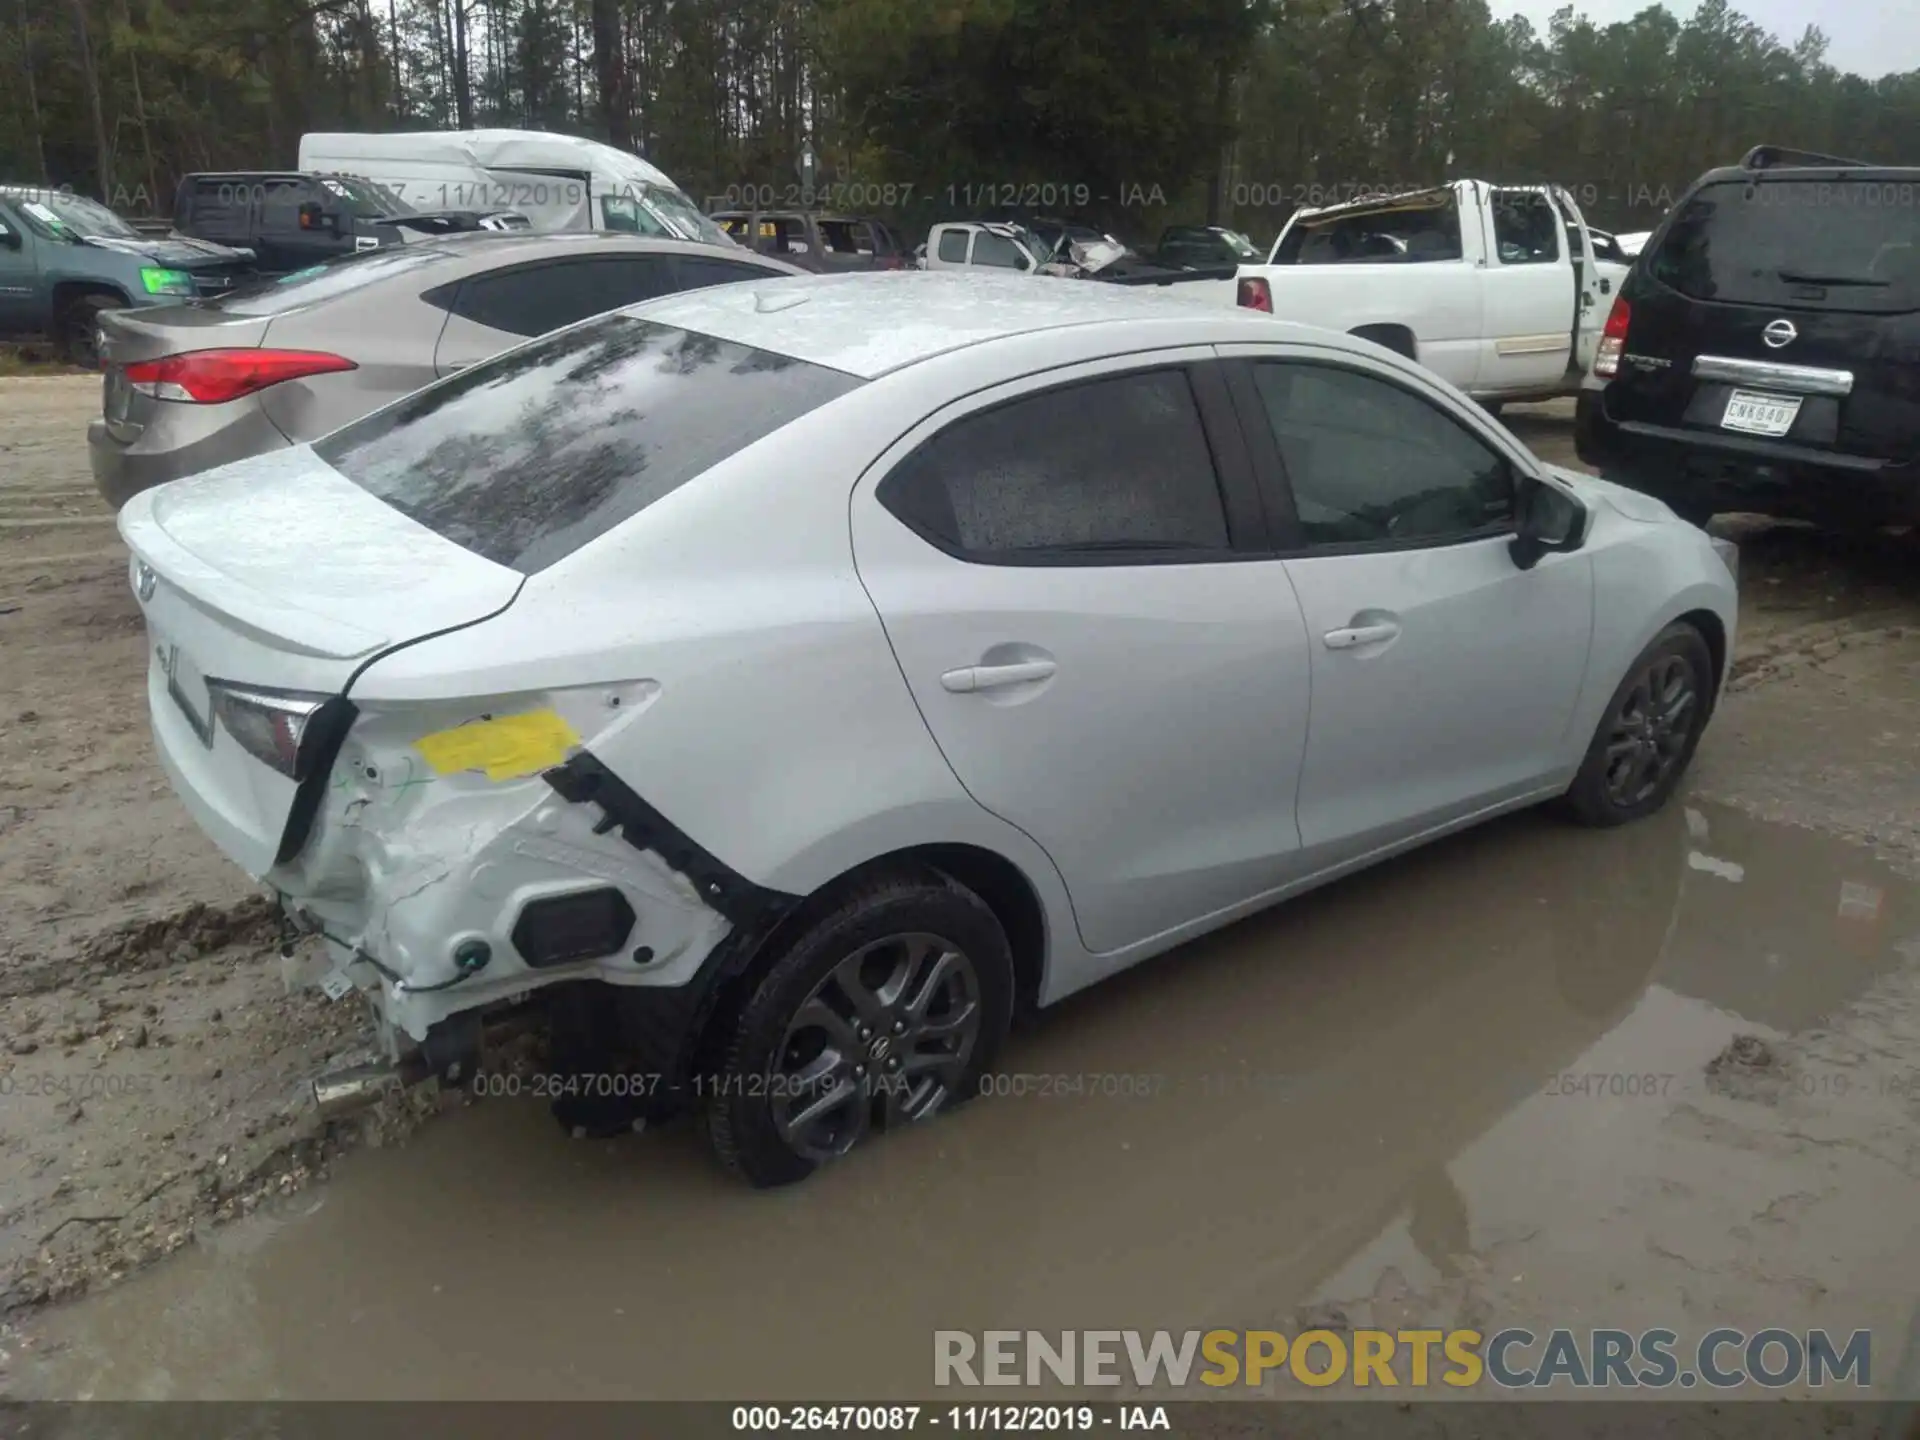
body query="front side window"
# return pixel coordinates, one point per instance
(998, 251)
(1370, 463)
(1107, 466)
(528, 456)
(1526, 228)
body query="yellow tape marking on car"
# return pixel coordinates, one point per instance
(507, 747)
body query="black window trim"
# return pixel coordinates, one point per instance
(446, 295)
(1276, 487)
(1233, 468)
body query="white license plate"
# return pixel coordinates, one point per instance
(1757, 414)
(188, 689)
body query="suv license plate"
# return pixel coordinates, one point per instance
(1758, 414)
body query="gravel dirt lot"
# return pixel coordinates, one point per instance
(152, 1069)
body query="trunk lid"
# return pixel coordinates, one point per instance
(280, 574)
(1800, 295)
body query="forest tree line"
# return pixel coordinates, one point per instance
(1137, 112)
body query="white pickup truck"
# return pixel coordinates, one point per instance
(1486, 285)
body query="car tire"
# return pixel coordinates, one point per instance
(76, 326)
(1647, 736)
(905, 967)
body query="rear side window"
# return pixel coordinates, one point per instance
(540, 298)
(1419, 228)
(1818, 244)
(528, 456)
(953, 246)
(1101, 467)
(220, 208)
(330, 280)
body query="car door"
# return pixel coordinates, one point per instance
(23, 301)
(1071, 569)
(496, 309)
(1444, 675)
(1529, 292)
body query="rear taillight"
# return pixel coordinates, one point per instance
(212, 377)
(1255, 294)
(268, 724)
(1613, 339)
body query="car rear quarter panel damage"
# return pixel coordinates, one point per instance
(721, 659)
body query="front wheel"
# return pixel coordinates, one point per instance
(883, 1013)
(1647, 737)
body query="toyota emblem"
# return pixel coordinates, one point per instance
(1778, 333)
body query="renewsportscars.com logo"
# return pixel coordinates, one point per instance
(1513, 1359)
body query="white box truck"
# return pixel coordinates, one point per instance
(559, 182)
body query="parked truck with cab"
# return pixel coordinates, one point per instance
(64, 259)
(1489, 286)
(293, 219)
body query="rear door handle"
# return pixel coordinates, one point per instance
(970, 678)
(1357, 635)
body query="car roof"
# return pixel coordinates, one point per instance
(872, 322)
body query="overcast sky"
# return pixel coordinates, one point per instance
(1868, 37)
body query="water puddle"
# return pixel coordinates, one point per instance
(1415, 1089)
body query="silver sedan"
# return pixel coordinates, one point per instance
(189, 387)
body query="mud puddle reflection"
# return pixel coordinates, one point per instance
(1370, 1099)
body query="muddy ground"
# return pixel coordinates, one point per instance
(1377, 1105)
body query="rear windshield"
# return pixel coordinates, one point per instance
(327, 281)
(529, 456)
(1825, 244)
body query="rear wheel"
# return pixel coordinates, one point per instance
(77, 326)
(881, 1014)
(1647, 737)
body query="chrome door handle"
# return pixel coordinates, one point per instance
(1358, 635)
(970, 678)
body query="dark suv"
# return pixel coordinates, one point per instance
(1764, 352)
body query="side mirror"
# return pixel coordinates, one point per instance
(1551, 522)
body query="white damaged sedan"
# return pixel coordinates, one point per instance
(781, 684)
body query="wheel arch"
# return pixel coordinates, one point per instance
(1398, 338)
(66, 292)
(1002, 884)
